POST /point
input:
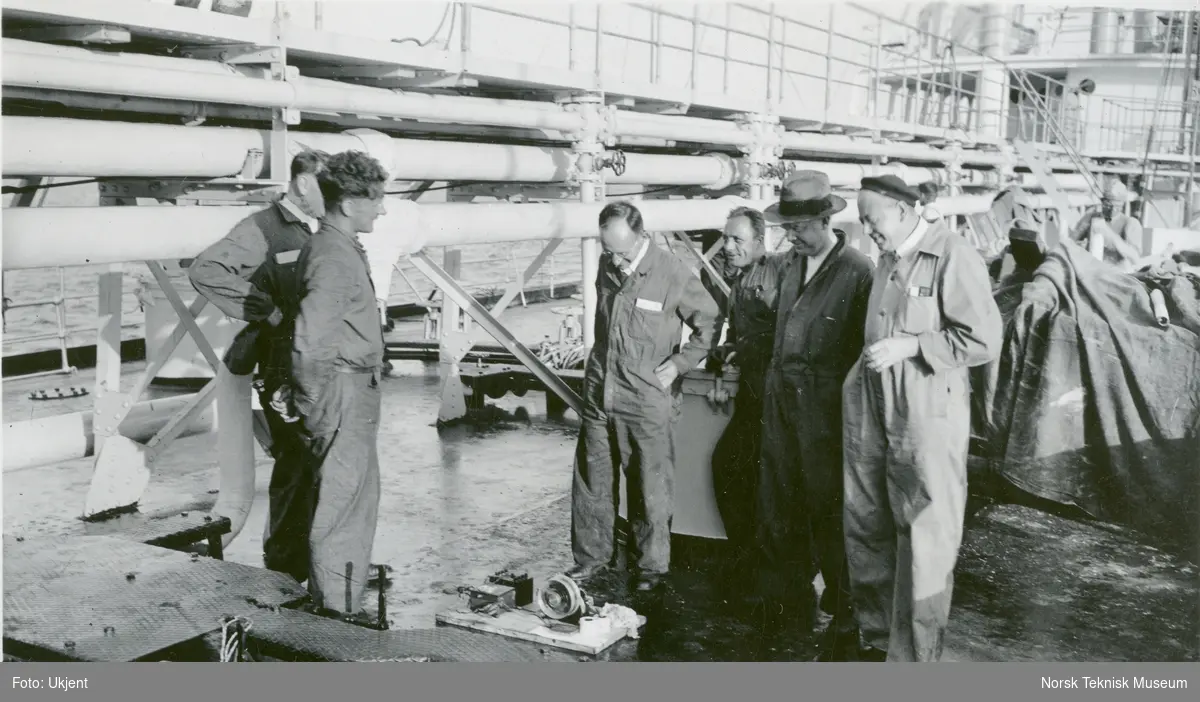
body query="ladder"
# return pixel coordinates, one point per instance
(1029, 154)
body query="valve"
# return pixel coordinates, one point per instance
(614, 160)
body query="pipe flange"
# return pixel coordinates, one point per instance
(731, 171)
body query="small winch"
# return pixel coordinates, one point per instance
(562, 598)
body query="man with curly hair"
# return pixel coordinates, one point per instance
(337, 359)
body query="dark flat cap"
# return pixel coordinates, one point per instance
(893, 187)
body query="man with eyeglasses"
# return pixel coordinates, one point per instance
(631, 396)
(818, 336)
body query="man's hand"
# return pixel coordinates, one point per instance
(281, 402)
(667, 373)
(887, 353)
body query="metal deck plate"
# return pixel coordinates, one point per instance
(174, 530)
(75, 598)
(293, 635)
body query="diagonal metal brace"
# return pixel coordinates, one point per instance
(1045, 178)
(517, 286)
(480, 314)
(708, 266)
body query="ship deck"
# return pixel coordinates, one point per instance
(491, 492)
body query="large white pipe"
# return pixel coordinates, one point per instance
(67, 437)
(51, 72)
(52, 147)
(48, 237)
(36, 146)
(32, 65)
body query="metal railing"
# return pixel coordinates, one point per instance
(20, 334)
(487, 270)
(1141, 124)
(852, 59)
(1068, 32)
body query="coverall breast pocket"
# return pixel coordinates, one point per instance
(645, 329)
(920, 314)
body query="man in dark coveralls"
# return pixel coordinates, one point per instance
(249, 275)
(754, 286)
(337, 361)
(818, 337)
(632, 395)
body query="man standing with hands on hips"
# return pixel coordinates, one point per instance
(631, 397)
(907, 405)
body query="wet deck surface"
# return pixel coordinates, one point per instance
(463, 502)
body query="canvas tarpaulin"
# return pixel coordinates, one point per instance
(1091, 403)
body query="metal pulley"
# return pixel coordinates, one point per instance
(561, 598)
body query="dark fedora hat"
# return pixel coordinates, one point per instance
(805, 196)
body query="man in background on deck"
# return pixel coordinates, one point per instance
(631, 399)
(1123, 235)
(249, 275)
(931, 318)
(337, 361)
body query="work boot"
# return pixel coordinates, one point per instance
(648, 582)
(839, 643)
(581, 573)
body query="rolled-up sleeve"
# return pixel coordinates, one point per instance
(222, 273)
(972, 329)
(697, 309)
(327, 285)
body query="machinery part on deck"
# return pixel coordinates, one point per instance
(100, 598)
(67, 437)
(298, 636)
(235, 450)
(233, 639)
(561, 598)
(49, 237)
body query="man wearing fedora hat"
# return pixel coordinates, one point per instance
(931, 318)
(820, 316)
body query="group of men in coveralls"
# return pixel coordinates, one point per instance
(297, 274)
(846, 452)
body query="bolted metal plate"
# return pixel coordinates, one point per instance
(167, 531)
(299, 636)
(99, 598)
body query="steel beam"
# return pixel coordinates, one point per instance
(452, 290)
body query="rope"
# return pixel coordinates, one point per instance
(233, 639)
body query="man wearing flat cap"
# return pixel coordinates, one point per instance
(1122, 234)
(931, 318)
(820, 315)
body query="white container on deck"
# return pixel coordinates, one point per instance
(186, 362)
(701, 425)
